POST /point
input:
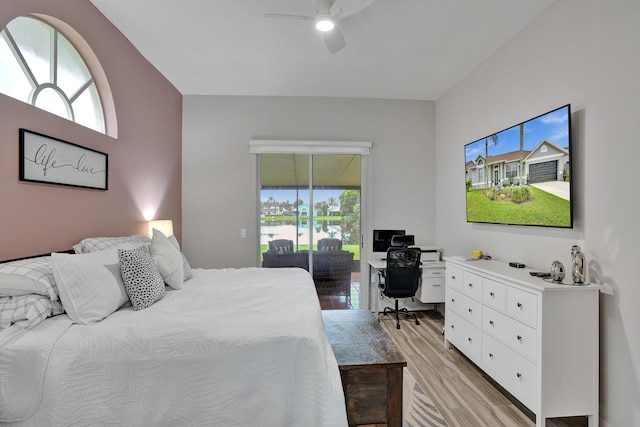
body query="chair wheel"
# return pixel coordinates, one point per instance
(397, 326)
(417, 322)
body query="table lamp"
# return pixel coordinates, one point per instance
(164, 225)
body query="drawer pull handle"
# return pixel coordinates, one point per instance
(471, 285)
(491, 355)
(453, 326)
(453, 277)
(519, 305)
(453, 300)
(519, 375)
(491, 293)
(470, 311)
(491, 322)
(469, 339)
(519, 338)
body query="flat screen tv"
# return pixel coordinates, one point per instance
(522, 175)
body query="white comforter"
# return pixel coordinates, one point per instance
(234, 347)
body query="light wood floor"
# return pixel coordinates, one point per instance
(462, 393)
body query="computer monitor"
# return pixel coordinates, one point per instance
(382, 239)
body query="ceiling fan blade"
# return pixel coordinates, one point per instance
(345, 8)
(334, 40)
(289, 16)
(335, 10)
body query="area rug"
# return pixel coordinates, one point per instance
(417, 408)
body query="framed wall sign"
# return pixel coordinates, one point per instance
(54, 161)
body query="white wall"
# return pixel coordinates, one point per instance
(219, 174)
(587, 53)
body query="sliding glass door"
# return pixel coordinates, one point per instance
(308, 197)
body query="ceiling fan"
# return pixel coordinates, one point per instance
(328, 12)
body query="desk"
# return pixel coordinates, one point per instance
(431, 290)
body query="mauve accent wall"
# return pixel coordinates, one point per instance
(145, 159)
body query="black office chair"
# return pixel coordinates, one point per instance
(404, 240)
(401, 279)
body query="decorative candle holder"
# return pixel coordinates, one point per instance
(577, 270)
(557, 272)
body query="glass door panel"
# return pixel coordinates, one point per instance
(336, 199)
(284, 198)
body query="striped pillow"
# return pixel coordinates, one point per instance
(37, 269)
(96, 244)
(27, 311)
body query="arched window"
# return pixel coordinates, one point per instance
(40, 66)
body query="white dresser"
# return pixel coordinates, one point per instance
(538, 340)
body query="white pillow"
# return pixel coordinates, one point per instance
(168, 259)
(188, 273)
(90, 285)
(16, 284)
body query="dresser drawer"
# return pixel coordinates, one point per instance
(454, 276)
(513, 333)
(466, 337)
(472, 285)
(494, 294)
(465, 307)
(523, 305)
(515, 373)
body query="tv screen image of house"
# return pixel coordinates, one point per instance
(529, 179)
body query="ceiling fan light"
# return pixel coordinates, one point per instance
(325, 23)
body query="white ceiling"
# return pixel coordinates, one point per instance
(396, 49)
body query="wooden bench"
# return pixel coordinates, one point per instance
(370, 368)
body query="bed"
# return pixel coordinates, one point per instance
(228, 347)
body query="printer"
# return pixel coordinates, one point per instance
(429, 253)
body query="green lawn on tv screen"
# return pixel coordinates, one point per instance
(545, 209)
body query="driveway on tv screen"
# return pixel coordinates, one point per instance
(557, 188)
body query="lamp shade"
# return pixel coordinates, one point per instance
(164, 225)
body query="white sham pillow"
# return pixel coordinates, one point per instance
(188, 273)
(168, 258)
(90, 285)
(16, 284)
